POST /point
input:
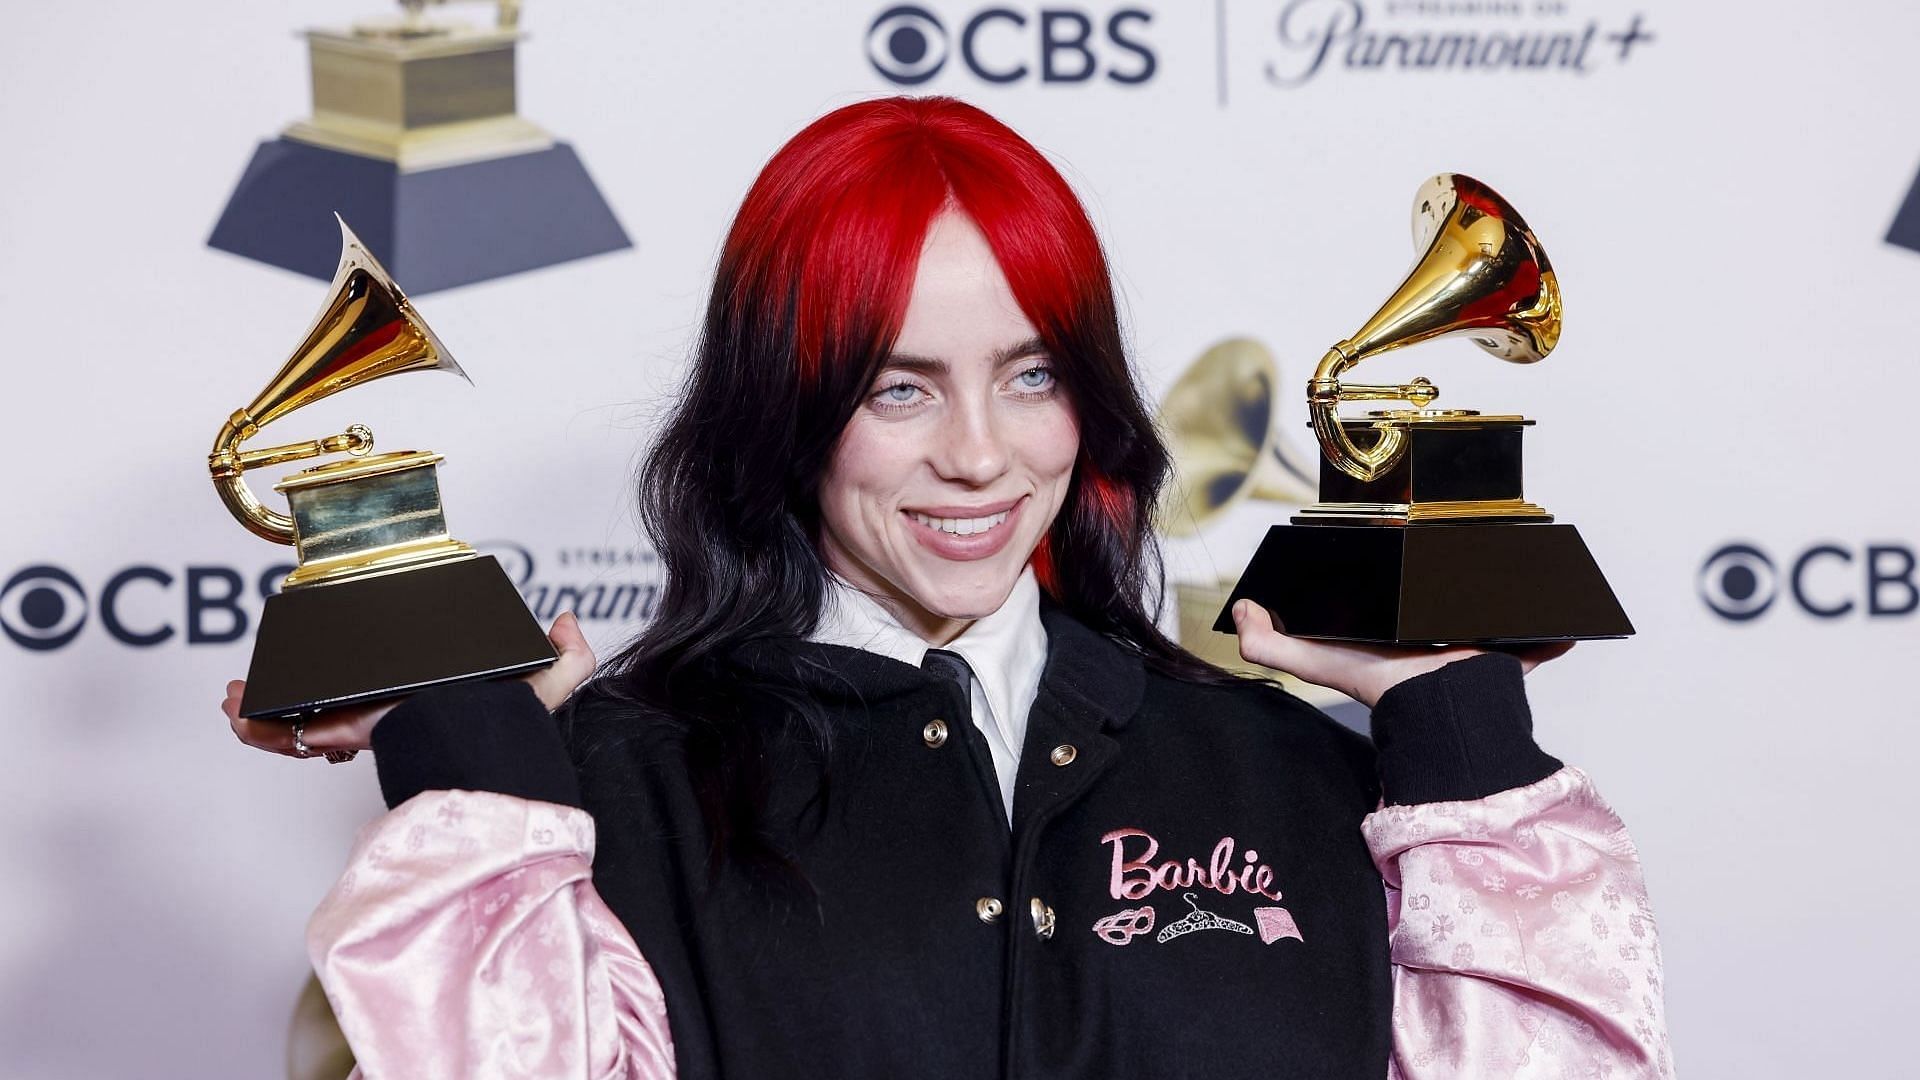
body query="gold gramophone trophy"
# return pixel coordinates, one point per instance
(383, 601)
(1422, 534)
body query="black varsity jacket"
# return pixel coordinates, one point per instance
(1184, 890)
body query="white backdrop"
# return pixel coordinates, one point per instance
(1737, 333)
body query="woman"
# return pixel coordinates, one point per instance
(903, 779)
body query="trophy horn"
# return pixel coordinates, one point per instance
(367, 330)
(1218, 423)
(1481, 273)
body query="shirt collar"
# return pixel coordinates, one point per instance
(1089, 676)
(1006, 649)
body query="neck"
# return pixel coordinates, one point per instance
(935, 629)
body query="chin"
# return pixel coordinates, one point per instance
(965, 594)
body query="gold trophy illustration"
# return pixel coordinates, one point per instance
(383, 601)
(1218, 422)
(1422, 533)
(415, 135)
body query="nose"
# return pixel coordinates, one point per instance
(972, 445)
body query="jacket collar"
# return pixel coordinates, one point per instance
(1088, 677)
(1006, 650)
(1088, 674)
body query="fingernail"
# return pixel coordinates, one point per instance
(1239, 610)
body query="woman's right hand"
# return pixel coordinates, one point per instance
(351, 728)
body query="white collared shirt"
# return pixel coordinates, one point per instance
(1006, 650)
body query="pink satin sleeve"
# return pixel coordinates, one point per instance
(1523, 944)
(465, 940)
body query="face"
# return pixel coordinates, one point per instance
(955, 463)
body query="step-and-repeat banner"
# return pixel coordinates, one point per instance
(1725, 192)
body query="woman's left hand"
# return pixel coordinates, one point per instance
(1362, 672)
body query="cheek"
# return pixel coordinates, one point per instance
(1052, 446)
(867, 465)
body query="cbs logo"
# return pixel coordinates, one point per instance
(1739, 582)
(43, 607)
(908, 45)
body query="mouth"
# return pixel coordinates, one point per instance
(961, 526)
(964, 532)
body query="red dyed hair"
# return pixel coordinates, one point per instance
(808, 299)
(833, 229)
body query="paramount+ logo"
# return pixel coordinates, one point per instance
(1741, 582)
(1056, 45)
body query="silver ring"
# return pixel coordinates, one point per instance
(300, 747)
(338, 757)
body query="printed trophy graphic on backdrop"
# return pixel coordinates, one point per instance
(415, 137)
(1905, 230)
(1218, 419)
(1422, 533)
(383, 601)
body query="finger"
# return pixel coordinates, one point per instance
(1261, 641)
(247, 731)
(574, 665)
(1535, 655)
(337, 729)
(273, 736)
(334, 729)
(567, 636)
(576, 660)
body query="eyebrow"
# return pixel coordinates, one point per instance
(931, 365)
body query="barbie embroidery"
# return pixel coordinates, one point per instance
(1137, 877)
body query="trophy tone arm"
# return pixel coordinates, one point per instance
(227, 463)
(1324, 395)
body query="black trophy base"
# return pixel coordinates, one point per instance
(433, 229)
(1431, 584)
(364, 639)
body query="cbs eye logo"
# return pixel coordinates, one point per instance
(42, 607)
(1738, 582)
(907, 44)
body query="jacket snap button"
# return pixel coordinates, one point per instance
(1042, 919)
(1064, 754)
(987, 908)
(935, 733)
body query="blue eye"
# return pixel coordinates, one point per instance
(900, 395)
(1035, 378)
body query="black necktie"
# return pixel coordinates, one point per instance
(952, 666)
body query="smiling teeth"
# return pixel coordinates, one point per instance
(960, 526)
